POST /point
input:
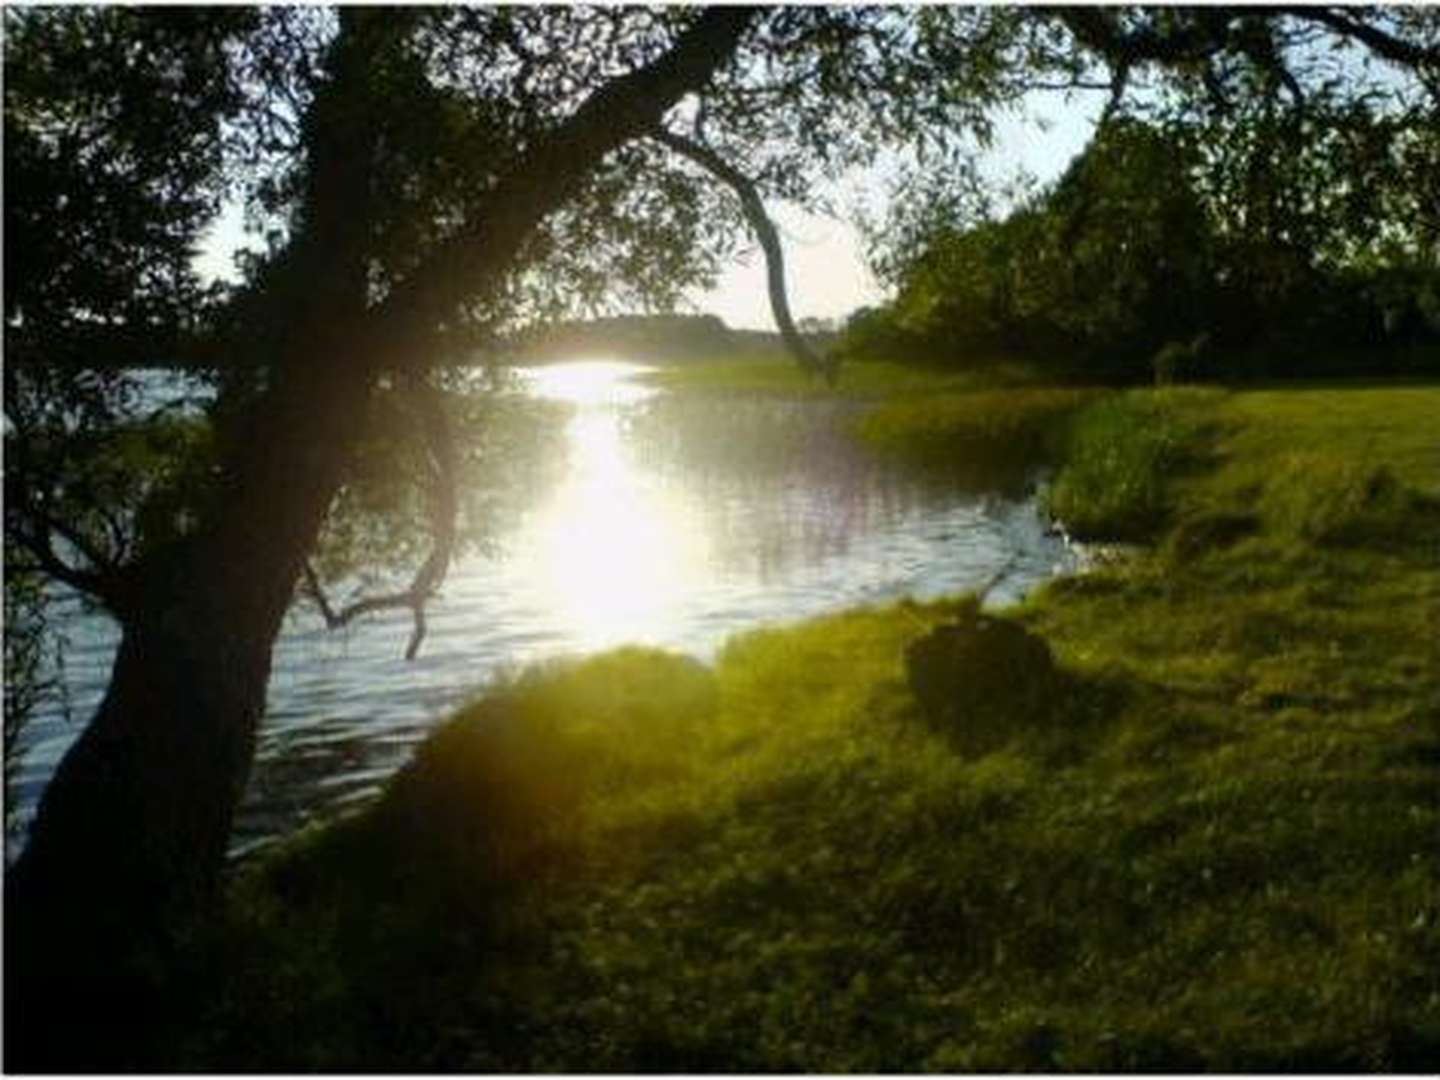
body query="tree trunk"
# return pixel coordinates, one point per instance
(140, 809)
(131, 833)
(129, 836)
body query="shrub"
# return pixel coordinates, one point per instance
(980, 679)
(1122, 451)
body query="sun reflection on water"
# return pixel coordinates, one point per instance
(613, 549)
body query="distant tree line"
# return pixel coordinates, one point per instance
(1265, 241)
(630, 337)
(660, 339)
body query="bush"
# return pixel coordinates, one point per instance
(874, 333)
(980, 679)
(1122, 452)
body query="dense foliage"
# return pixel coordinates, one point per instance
(1291, 213)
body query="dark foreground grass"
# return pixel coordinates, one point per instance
(1216, 850)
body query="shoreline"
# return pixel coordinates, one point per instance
(1206, 851)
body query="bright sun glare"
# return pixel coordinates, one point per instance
(613, 548)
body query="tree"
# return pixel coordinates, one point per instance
(1100, 269)
(424, 178)
(1250, 177)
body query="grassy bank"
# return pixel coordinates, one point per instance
(1027, 425)
(969, 423)
(1212, 849)
(779, 374)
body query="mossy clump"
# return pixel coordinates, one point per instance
(980, 679)
(498, 790)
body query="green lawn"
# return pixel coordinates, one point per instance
(1398, 426)
(1215, 850)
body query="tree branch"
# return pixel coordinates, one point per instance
(1211, 31)
(444, 509)
(104, 586)
(1347, 21)
(476, 259)
(1097, 29)
(769, 238)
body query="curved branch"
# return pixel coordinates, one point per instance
(769, 238)
(102, 564)
(1350, 22)
(107, 586)
(444, 509)
(1214, 30)
(476, 259)
(410, 599)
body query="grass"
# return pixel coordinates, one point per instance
(969, 424)
(1120, 455)
(1215, 851)
(779, 374)
(1024, 424)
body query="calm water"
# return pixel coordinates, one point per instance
(673, 522)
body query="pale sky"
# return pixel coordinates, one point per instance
(824, 260)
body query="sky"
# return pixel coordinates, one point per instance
(824, 258)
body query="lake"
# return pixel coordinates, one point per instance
(672, 521)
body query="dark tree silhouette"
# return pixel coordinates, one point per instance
(423, 177)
